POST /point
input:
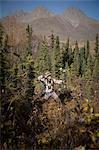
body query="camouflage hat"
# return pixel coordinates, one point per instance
(47, 74)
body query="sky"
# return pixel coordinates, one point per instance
(90, 7)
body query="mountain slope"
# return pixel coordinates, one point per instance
(84, 26)
(71, 23)
(37, 13)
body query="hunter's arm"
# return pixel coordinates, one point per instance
(58, 81)
(41, 78)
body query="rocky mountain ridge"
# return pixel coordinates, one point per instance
(71, 23)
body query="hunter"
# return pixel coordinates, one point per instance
(49, 82)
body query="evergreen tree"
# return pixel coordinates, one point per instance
(15, 76)
(43, 61)
(76, 47)
(82, 67)
(52, 46)
(6, 122)
(57, 57)
(4, 60)
(67, 44)
(82, 61)
(52, 41)
(97, 45)
(96, 61)
(87, 75)
(65, 54)
(29, 39)
(87, 50)
(29, 66)
(30, 78)
(70, 56)
(76, 60)
(96, 68)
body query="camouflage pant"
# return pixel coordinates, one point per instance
(54, 95)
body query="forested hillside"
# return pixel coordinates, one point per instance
(30, 122)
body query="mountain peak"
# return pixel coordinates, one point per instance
(73, 15)
(41, 10)
(73, 10)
